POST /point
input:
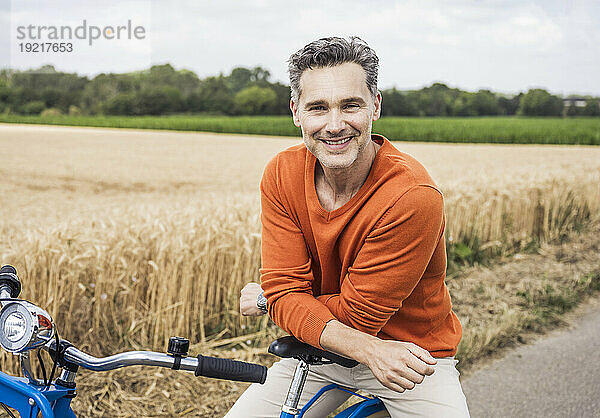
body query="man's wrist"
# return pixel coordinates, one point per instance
(366, 349)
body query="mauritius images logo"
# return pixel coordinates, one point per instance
(91, 33)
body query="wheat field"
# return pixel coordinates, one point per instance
(129, 237)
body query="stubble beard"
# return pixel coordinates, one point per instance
(332, 160)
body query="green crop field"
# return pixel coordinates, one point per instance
(511, 130)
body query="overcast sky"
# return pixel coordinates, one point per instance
(506, 46)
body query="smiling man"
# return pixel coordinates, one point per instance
(353, 250)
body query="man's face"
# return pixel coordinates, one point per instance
(336, 111)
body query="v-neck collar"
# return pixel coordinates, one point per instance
(311, 191)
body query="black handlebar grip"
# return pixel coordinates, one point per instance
(224, 368)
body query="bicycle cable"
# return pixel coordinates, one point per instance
(55, 357)
(41, 362)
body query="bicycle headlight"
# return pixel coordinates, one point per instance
(15, 327)
(24, 326)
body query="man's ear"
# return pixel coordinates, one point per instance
(294, 109)
(378, 100)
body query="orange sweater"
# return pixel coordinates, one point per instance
(376, 264)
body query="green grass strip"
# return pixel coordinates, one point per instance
(508, 130)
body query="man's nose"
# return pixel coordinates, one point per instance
(335, 122)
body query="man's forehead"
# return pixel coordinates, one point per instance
(329, 83)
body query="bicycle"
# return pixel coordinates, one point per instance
(25, 327)
(307, 355)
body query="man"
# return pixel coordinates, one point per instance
(353, 250)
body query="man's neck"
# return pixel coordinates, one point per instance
(343, 183)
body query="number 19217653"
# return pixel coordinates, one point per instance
(46, 47)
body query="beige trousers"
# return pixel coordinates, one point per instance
(439, 395)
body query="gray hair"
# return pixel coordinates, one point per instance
(329, 52)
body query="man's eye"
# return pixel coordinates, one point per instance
(316, 108)
(351, 105)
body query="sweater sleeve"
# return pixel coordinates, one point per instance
(391, 261)
(286, 273)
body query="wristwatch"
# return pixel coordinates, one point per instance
(261, 302)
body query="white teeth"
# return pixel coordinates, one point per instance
(341, 141)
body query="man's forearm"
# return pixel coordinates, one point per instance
(346, 341)
(397, 365)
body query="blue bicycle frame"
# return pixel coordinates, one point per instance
(29, 399)
(55, 401)
(366, 407)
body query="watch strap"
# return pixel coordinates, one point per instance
(261, 302)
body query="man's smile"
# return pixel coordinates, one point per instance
(337, 143)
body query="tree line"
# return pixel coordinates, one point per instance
(163, 90)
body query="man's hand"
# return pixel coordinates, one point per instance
(397, 365)
(248, 298)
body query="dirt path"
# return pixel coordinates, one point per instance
(557, 376)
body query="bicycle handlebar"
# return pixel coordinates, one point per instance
(219, 368)
(38, 331)
(128, 358)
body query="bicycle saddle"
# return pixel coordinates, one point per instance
(291, 347)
